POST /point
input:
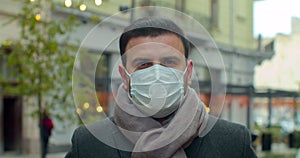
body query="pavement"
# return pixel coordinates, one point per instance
(54, 152)
(50, 155)
(277, 148)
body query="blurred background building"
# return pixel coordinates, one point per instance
(229, 22)
(280, 73)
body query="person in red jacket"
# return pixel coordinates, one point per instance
(46, 127)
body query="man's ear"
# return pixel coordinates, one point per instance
(189, 70)
(124, 77)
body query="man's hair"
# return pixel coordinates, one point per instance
(152, 27)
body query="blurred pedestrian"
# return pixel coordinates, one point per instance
(46, 128)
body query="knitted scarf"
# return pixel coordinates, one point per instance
(167, 138)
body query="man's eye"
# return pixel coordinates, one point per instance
(144, 65)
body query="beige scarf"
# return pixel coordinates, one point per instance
(167, 139)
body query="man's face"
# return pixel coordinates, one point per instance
(166, 50)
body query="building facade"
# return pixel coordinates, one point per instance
(228, 22)
(281, 73)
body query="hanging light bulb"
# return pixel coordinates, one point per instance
(31, 0)
(82, 7)
(68, 3)
(98, 2)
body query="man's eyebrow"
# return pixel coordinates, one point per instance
(139, 59)
(170, 57)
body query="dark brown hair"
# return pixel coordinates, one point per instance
(152, 27)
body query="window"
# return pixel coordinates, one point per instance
(214, 13)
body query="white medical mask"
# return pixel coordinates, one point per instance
(157, 91)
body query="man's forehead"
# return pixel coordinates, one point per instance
(152, 50)
(169, 39)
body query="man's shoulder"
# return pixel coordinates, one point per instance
(225, 131)
(96, 139)
(96, 129)
(227, 127)
(104, 133)
(223, 139)
(229, 138)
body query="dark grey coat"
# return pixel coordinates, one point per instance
(225, 140)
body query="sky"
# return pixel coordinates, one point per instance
(274, 16)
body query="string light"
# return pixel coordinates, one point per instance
(68, 3)
(86, 105)
(82, 7)
(78, 111)
(98, 2)
(99, 108)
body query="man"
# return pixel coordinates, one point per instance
(157, 114)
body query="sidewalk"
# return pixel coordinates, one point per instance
(50, 155)
(277, 149)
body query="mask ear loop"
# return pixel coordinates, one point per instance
(127, 73)
(184, 72)
(129, 91)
